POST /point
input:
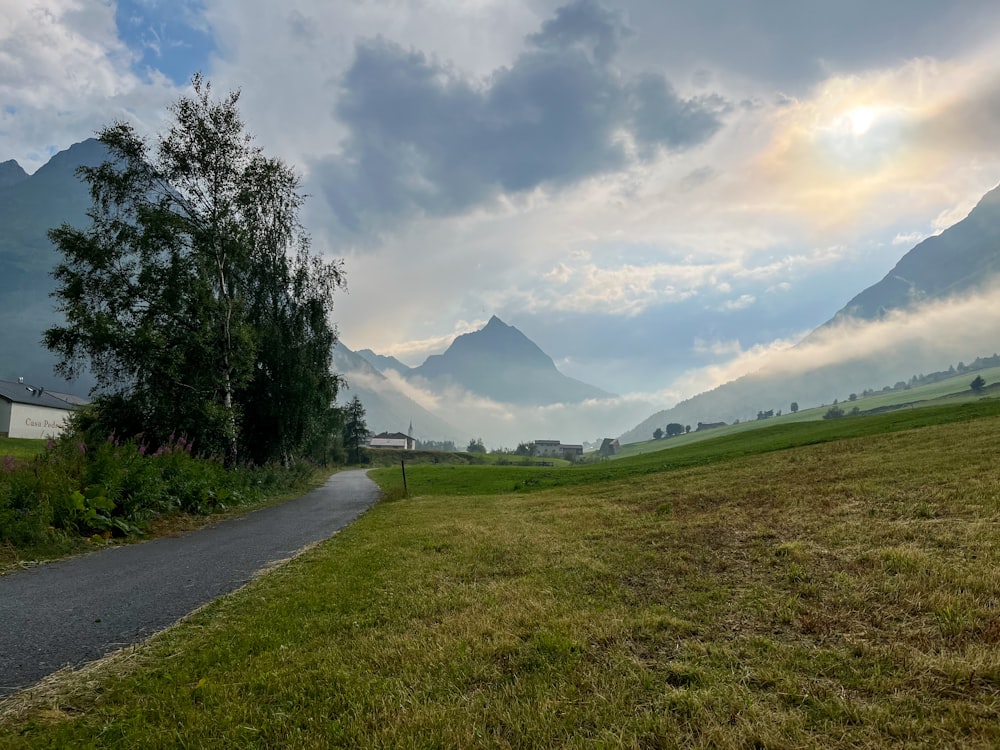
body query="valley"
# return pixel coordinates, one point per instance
(835, 594)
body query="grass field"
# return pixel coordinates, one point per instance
(838, 594)
(950, 392)
(20, 448)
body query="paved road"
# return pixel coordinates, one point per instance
(76, 610)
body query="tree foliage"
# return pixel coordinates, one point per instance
(977, 384)
(193, 297)
(355, 433)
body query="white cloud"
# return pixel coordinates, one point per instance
(742, 302)
(64, 73)
(908, 239)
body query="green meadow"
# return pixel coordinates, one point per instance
(949, 392)
(825, 584)
(20, 448)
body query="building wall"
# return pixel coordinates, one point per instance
(548, 450)
(27, 421)
(4, 417)
(388, 443)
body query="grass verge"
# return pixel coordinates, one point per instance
(842, 594)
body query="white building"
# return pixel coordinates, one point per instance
(27, 411)
(392, 440)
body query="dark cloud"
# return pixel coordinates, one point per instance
(582, 23)
(660, 118)
(794, 43)
(424, 139)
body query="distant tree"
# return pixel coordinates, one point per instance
(687, 428)
(355, 433)
(978, 384)
(854, 412)
(658, 433)
(475, 446)
(437, 445)
(525, 449)
(834, 412)
(794, 407)
(853, 397)
(674, 429)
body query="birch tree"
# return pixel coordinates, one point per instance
(193, 294)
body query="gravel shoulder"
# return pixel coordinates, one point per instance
(76, 610)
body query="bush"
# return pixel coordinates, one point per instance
(79, 486)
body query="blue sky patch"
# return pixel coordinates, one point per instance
(172, 37)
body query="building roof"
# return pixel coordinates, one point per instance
(392, 435)
(22, 393)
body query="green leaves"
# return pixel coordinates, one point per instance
(193, 298)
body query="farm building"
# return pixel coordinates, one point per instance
(392, 440)
(30, 412)
(556, 449)
(610, 447)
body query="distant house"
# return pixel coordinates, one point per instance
(557, 449)
(27, 411)
(709, 425)
(392, 440)
(610, 447)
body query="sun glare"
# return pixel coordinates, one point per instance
(861, 120)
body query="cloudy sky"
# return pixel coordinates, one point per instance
(648, 189)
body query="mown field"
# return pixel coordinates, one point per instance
(793, 592)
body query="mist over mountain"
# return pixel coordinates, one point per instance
(382, 362)
(501, 363)
(31, 205)
(387, 408)
(933, 309)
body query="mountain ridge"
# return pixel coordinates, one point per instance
(958, 259)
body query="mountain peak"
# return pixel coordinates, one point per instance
(11, 173)
(500, 362)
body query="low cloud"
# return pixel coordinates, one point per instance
(869, 354)
(505, 425)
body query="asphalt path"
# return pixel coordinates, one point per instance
(76, 610)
